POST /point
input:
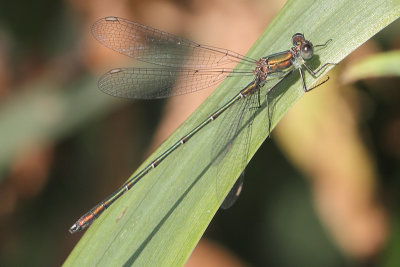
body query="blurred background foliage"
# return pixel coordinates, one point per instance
(322, 192)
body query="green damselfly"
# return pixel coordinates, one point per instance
(196, 67)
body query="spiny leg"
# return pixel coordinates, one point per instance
(268, 112)
(325, 44)
(314, 74)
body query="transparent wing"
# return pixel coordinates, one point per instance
(157, 47)
(233, 141)
(233, 195)
(237, 120)
(151, 83)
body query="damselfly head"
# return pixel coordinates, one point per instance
(303, 46)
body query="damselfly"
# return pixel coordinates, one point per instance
(188, 67)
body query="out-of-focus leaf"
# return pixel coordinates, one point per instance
(379, 65)
(43, 113)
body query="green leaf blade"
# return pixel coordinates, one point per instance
(375, 66)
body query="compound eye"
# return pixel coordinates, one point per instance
(307, 51)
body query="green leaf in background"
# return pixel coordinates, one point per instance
(161, 220)
(375, 66)
(42, 113)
